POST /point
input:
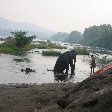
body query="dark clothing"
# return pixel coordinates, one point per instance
(93, 64)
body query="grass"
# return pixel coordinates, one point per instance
(47, 46)
(81, 51)
(51, 53)
(11, 48)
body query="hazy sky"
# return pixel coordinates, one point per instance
(58, 15)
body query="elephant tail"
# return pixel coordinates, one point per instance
(50, 70)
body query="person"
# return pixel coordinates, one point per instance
(93, 64)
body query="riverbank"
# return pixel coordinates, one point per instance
(32, 98)
(94, 94)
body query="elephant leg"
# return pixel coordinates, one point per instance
(74, 60)
(72, 68)
(67, 68)
(66, 71)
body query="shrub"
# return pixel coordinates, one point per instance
(81, 51)
(51, 53)
(47, 46)
(5, 50)
(21, 38)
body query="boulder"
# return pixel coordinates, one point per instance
(27, 70)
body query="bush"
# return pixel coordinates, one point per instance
(40, 46)
(21, 38)
(5, 50)
(47, 46)
(11, 48)
(51, 53)
(81, 51)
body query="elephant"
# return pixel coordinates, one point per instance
(63, 62)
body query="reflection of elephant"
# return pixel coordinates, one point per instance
(60, 77)
(62, 63)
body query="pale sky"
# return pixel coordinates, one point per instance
(58, 15)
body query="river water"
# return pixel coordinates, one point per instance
(10, 68)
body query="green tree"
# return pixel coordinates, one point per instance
(97, 31)
(74, 37)
(98, 36)
(21, 38)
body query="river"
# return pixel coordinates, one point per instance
(10, 68)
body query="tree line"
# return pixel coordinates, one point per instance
(73, 37)
(98, 36)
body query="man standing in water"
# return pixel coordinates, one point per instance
(93, 64)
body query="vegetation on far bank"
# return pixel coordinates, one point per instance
(98, 36)
(46, 45)
(10, 47)
(81, 51)
(19, 43)
(22, 43)
(51, 53)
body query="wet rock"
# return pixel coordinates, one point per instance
(37, 51)
(19, 60)
(27, 70)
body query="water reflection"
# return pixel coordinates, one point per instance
(61, 77)
(64, 78)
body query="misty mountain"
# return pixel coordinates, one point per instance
(6, 26)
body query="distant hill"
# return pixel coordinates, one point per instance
(6, 26)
